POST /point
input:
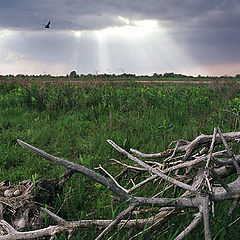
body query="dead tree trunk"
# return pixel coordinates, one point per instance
(192, 166)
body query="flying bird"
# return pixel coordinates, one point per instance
(47, 25)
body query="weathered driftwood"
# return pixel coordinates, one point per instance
(200, 167)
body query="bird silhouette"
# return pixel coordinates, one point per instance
(47, 25)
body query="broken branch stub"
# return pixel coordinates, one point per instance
(195, 167)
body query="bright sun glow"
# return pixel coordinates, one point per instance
(131, 29)
(77, 33)
(144, 44)
(5, 33)
(134, 34)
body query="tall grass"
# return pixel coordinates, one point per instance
(74, 122)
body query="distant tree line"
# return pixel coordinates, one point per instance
(74, 74)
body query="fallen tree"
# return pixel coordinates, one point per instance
(199, 168)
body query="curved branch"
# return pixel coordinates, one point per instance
(190, 147)
(79, 168)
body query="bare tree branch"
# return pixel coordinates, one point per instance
(190, 147)
(79, 168)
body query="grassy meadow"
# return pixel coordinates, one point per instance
(74, 123)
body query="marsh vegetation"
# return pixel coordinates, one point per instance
(74, 122)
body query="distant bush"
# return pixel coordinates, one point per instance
(73, 74)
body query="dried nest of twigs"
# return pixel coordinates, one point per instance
(18, 204)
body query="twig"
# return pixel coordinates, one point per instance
(121, 227)
(234, 222)
(154, 155)
(211, 151)
(128, 167)
(55, 217)
(116, 221)
(142, 183)
(65, 199)
(186, 164)
(173, 154)
(114, 180)
(178, 141)
(151, 228)
(165, 189)
(155, 164)
(191, 226)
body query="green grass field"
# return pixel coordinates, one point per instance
(74, 123)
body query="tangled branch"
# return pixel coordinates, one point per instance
(193, 167)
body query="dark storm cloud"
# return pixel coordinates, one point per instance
(65, 15)
(209, 46)
(94, 14)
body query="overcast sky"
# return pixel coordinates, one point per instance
(114, 36)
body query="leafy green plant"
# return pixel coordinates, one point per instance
(35, 177)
